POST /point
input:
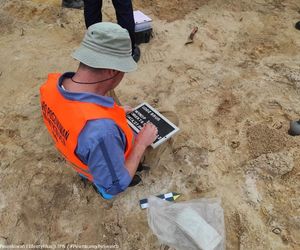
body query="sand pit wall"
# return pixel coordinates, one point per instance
(234, 90)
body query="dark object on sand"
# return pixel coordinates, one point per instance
(74, 4)
(143, 36)
(297, 25)
(294, 128)
(136, 53)
(191, 36)
(135, 180)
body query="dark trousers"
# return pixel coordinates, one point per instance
(124, 13)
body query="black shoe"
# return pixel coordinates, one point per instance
(136, 53)
(135, 180)
(142, 167)
(74, 4)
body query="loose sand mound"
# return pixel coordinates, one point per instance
(234, 90)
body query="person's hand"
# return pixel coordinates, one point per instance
(147, 135)
(127, 109)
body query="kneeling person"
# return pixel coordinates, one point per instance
(88, 127)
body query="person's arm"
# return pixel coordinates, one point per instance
(101, 146)
(145, 137)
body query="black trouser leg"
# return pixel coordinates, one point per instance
(124, 13)
(92, 12)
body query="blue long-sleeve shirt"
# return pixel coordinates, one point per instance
(101, 143)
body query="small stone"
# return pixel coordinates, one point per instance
(294, 128)
(156, 100)
(235, 144)
(276, 230)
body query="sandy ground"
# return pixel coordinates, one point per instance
(234, 89)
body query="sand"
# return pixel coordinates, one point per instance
(234, 89)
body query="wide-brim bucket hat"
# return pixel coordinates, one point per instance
(106, 46)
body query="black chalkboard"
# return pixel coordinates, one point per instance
(145, 113)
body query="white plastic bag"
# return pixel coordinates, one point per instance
(195, 224)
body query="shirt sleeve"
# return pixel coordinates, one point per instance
(101, 146)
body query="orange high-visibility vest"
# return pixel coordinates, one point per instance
(65, 119)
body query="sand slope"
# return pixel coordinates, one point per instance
(234, 89)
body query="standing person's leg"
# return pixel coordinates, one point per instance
(124, 13)
(92, 12)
